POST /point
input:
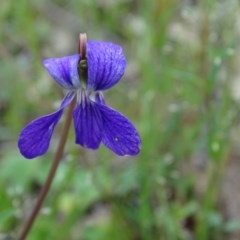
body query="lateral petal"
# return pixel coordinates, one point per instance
(35, 137)
(119, 134)
(64, 70)
(106, 64)
(88, 123)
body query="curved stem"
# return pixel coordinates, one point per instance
(51, 174)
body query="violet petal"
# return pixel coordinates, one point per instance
(87, 123)
(106, 64)
(35, 137)
(64, 70)
(119, 134)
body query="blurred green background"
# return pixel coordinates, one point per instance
(181, 89)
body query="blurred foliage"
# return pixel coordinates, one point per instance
(179, 89)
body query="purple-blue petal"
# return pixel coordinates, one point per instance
(64, 70)
(106, 64)
(119, 134)
(35, 137)
(88, 123)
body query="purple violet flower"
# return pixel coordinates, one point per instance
(94, 121)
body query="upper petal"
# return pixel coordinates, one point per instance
(64, 70)
(119, 134)
(106, 64)
(35, 137)
(88, 123)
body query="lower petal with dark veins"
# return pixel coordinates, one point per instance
(88, 124)
(119, 134)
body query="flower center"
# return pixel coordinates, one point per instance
(85, 95)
